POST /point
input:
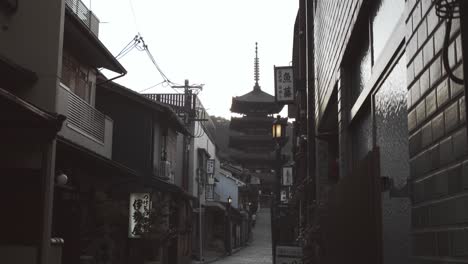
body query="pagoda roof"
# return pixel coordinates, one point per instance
(256, 96)
(251, 141)
(254, 160)
(256, 101)
(259, 122)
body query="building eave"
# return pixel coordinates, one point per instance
(15, 76)
(151, 104)
(79, 39)
(242, 107)
(21, 118)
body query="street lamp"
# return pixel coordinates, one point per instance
(228, 226)
(278, 129)
(279, 134)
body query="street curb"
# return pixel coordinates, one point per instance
(223, 256)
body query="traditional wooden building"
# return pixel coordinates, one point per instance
(251, 142)
(145, 140)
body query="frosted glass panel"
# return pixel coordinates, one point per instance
(361, 67)
(362, 136)
(392, 125)
(392, 139)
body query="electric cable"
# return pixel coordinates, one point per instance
(129, 46)
(134, 16)
(445, 55)
(448, 10)
(152, 86)
(139, 39)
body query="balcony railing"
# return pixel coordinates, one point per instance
(195, 111)
(166, 171)
(84, 14)
(85, 125)
(176, 101)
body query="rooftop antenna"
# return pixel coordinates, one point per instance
(256, 71)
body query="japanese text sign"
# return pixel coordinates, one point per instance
(210, 166)
(284, 84)
(287, 176)
(140, 206)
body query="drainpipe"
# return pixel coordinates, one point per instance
(200, 235)
(464, 41)
(111, 79)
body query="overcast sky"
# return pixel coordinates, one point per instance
(209, 42)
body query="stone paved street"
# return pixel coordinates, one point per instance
(259, 251)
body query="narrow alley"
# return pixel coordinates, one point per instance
(233, 132)
(259, 251)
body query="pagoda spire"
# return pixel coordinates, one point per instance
(256, 70)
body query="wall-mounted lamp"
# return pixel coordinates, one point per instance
(61, 179)
(278, 129)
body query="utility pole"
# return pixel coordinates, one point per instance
(190, 116)
(189, 100)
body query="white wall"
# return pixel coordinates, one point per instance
(202, 142)
(228, 186)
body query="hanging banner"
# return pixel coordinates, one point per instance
(140, 206)
(287, 176)
(284, 84)
(210, 164)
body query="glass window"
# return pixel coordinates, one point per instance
(76, 78)
(392, 138)
(361, 136)
(392, 125)
(360, 64)
(156, 147)
(383, 21)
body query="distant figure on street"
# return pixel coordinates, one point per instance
(254, 217)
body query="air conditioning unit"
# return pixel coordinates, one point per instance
(165, 170)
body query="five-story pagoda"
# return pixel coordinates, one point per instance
(250, 140)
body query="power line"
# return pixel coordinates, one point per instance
(139, 40)
(129, 47)
(152, 86)
(138, 43)
(134, 16)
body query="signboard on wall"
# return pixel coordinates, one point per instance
(284, 84)
(140, 205)
(288, 255)
(210, 164)
(287, 176)
(284, 196)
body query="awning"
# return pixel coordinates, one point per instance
(165, 186)
(72, 155)
(215, 205)
(14, 76)
(22, 120)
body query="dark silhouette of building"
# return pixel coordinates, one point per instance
(380, 152)
(253, 148)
